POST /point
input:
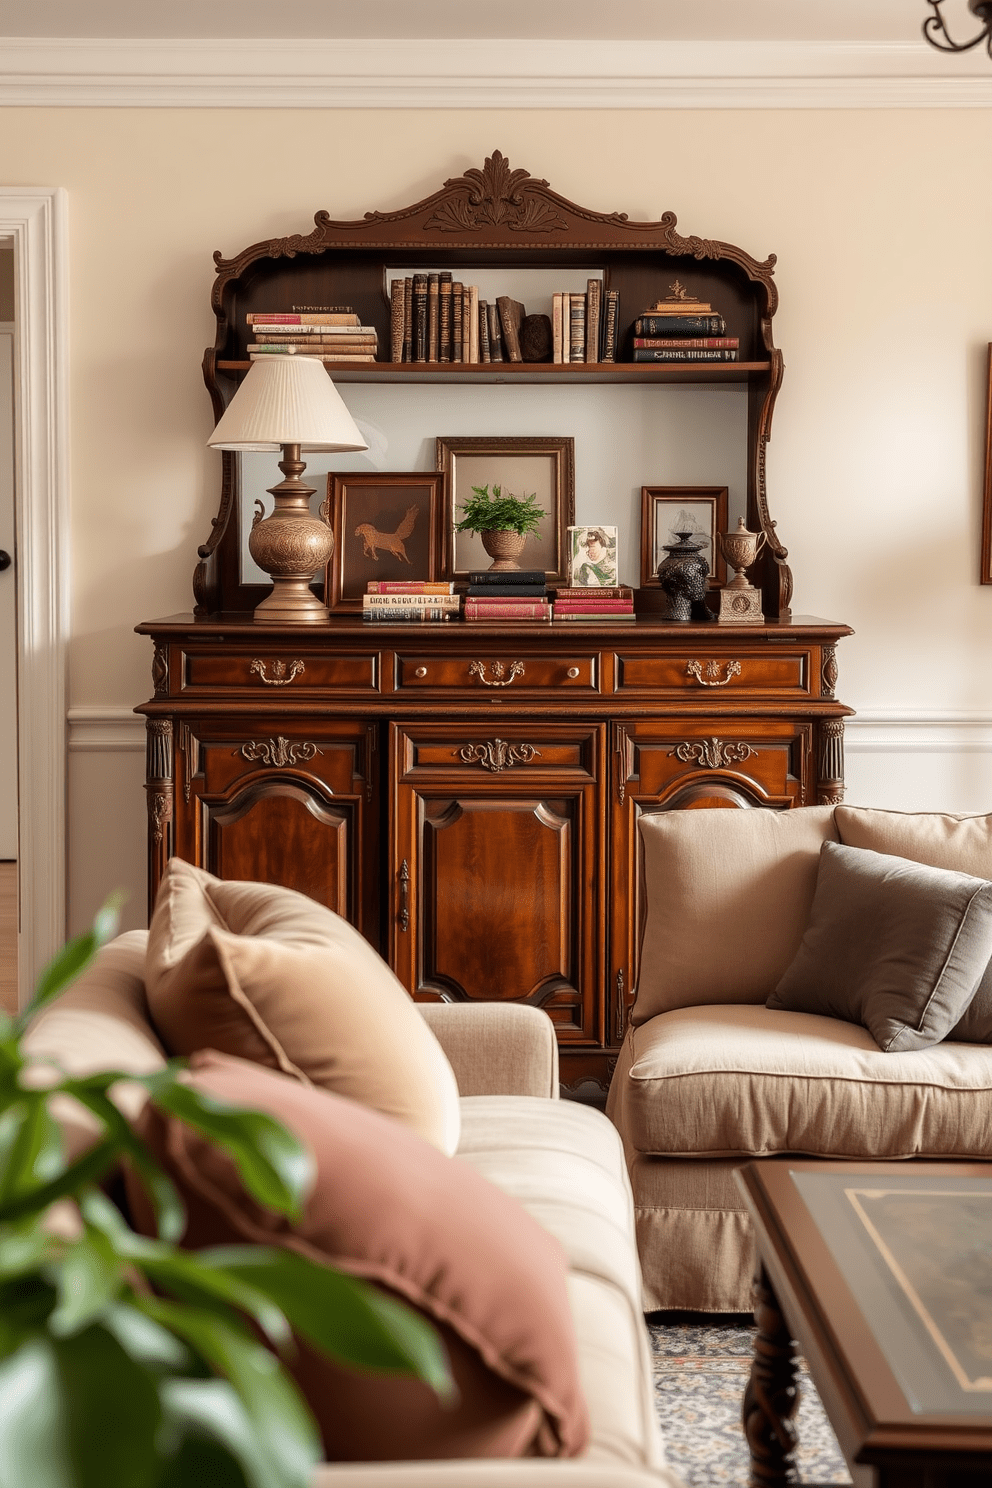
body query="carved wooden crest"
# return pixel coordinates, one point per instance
(495, 196)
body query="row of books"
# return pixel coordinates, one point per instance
(434, 318)
(332, 335)
(521, 595)
(683, 330)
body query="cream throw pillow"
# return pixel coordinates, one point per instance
(266, 974)
(728, 896)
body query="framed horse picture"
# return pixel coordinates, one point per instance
(387, 526)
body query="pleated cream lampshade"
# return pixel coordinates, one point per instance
(289, 403)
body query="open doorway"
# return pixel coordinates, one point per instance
(33, 223)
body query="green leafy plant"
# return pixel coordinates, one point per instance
(499, 513)
(127, 1362)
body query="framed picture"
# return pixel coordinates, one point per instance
(593, 557)
(519, 466)
(386, 526)
(987, 501)
(664, 510)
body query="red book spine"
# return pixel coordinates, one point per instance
(489, 609)
(592, 607)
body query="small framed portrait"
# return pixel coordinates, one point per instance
(544, 467)
(593, 557)
(386, 526)
(668, 510)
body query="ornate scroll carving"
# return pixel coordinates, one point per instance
(495, 196)
(497, 754)
(160, 813)
(501, 675)
(278, 678)
(771, 1396)
(160, 669)
(712, 678)
(712, 753)
(278, 751)
(828, 671)
(830, 763)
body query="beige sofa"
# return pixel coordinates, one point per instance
(562, 1161)
(709, 1076)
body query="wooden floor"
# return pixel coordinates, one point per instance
(8, 936)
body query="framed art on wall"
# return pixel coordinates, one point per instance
(386, 526)
(519, 467)
(987, 497)
(665, 510)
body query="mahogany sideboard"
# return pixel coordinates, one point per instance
(467, 795)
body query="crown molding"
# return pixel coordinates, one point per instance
(486, 74)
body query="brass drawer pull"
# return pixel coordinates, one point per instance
(420, 672)
(499, 677)
(572, 672)
(712, 678)
(497, 754)
(278, 678)
(404, 883)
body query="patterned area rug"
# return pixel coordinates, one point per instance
(701, 1365)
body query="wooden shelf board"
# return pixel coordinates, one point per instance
(536, 372)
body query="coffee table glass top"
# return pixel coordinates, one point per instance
(916, 1252)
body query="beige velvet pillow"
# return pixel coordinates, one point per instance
(728, 896)
(268, 975)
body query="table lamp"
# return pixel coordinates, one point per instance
(288, 403)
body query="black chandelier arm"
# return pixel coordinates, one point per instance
(936, 32)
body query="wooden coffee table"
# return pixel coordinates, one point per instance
(881, 1275)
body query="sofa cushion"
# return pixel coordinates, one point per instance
(389, 1207)
(728, 896)
(754, 1081)
(963, 843)
(895, 945)
(99, 1023)
(266, 974)
(564, 1163)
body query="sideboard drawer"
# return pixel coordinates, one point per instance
(488, 672)
(732, 670)
(293, 669)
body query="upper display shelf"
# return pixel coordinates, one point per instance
(629, 290)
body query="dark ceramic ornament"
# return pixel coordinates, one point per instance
(683, 574)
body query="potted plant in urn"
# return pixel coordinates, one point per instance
(504, 522)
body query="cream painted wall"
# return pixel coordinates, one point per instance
(882, 225)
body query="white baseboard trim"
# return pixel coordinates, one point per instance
(870, 731)
(487, 74)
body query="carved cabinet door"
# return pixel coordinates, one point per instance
(498, 876)
(291, 801)
(689, 764)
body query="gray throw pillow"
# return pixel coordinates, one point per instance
(976, 1025)
(895, 945)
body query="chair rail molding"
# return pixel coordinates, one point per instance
(409, 73)
(35, 218)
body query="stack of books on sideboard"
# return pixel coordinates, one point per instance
(594, 605)
(394, 601)
(508, 594)
(334, 335)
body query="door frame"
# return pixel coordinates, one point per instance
(36, 219)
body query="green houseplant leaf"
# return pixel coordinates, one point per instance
(499, 512)
(126, 1362)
